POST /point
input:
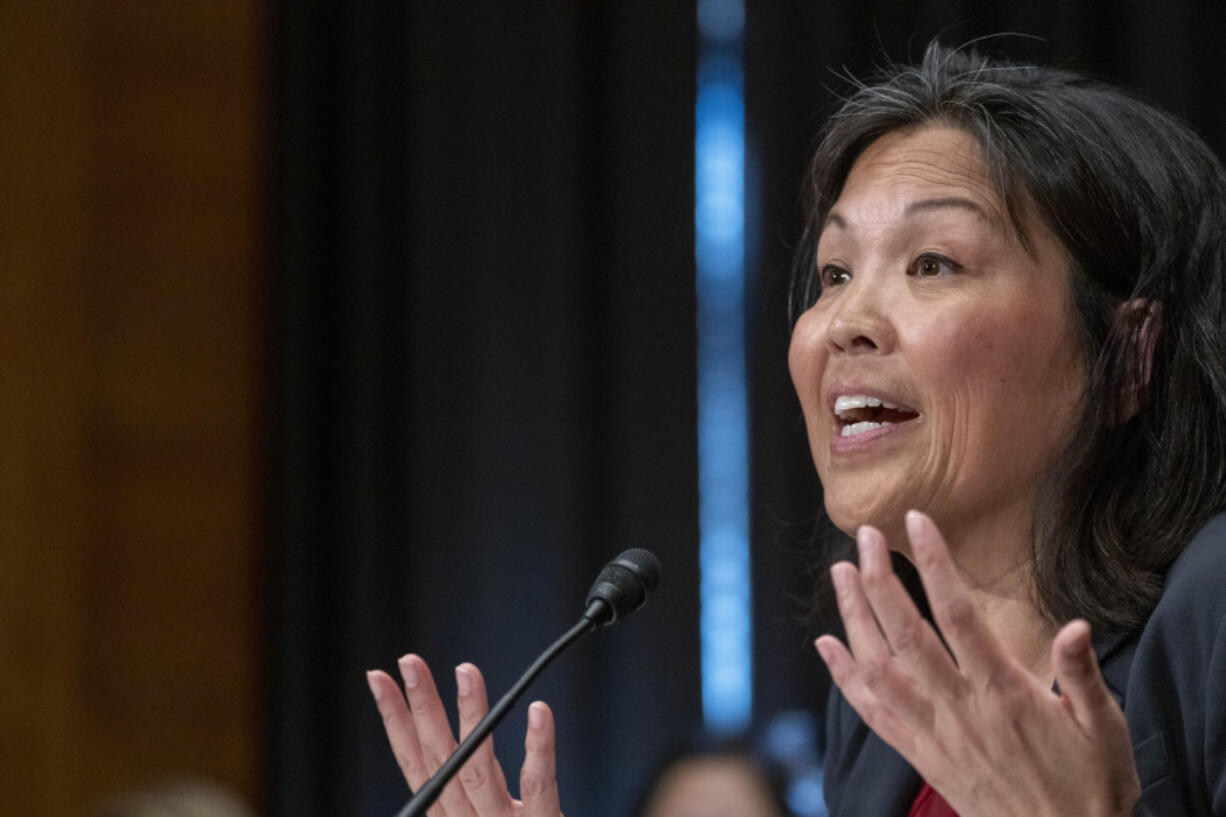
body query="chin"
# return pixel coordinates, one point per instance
(849, 516)
(849, 513)
(842, 521)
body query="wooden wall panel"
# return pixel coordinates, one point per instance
(43, 366)
(131, 277)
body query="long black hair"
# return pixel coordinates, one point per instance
(1139, 203)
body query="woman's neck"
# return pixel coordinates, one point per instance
(1023, 631)
(994, 559)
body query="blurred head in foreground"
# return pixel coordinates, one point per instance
(177, 798)
(713, 783)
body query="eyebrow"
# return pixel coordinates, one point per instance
(924, 205)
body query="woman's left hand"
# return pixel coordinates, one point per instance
(982, 730)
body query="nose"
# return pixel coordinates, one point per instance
(859, 322)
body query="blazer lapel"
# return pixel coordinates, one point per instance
(882, 783)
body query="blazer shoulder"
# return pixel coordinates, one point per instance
(1175, 710)
(1195, 586)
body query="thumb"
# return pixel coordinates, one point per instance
(1080, 679)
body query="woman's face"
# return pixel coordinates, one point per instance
(939, 368)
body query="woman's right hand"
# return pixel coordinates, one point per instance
(421, 739)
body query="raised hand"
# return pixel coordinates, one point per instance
(421, 738)
(981, 729)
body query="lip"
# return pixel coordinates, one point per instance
(850, 445)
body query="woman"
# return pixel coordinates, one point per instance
(1009, 354)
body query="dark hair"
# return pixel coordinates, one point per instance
(1139, 203)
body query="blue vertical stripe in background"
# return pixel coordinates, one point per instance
(723, 454)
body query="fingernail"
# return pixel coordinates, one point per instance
(839, 577)
(862, 542)
(821, 650)
(1076, 649)
(536, 716)
(915, 527)
(463, 683)
(374, 688)
(1079, 645)
(408, 672)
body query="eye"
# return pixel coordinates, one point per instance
(833, 276)
(933, 265)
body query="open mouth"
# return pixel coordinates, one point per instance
(860, 413)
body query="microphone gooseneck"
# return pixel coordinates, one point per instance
(620, 589)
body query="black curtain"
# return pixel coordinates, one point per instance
(485, 350)
(485, 365)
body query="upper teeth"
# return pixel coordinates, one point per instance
(846, 402)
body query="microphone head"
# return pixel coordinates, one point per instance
(622, 586)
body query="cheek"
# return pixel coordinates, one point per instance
(1007, 383)
(1022, 359)
(971, 356)
(806, 359)
(968, 371)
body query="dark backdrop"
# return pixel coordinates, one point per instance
(485, 353)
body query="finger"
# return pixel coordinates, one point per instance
(1081, 682)
(433, 732)
(868, 705)
(875, 681)
(979, 655)
(863, 635)
(398, 723)
(429, 717)
(481, 776)
(538, 786)
(910, 638)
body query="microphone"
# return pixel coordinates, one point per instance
(620, 588)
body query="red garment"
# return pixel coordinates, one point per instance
(930, 804)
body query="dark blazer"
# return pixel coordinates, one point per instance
(1169, 676)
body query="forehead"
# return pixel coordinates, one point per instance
(940, 165)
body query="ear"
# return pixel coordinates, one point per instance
(1138, 322)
